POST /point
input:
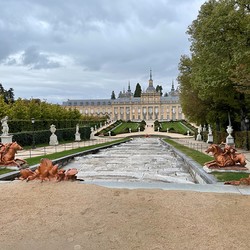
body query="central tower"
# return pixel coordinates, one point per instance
(150, 88)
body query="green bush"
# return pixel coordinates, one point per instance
(43, 136)
(171, 129)
(16, 126)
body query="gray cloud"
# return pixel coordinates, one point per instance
(91, 47)
(36, 60)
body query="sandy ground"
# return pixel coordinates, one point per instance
(70, 215)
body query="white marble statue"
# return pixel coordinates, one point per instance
(5, 126)
(210, 137)
(77, 128)
(199, 138)
(53, 138)
(92, 135)
(77, 134)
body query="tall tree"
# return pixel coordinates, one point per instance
(159, 89)
(138, 90)
(1, 89)
(113, 95)
(219, 48)
(4, 107)
(8, 95)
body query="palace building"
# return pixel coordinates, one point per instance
(150, 106)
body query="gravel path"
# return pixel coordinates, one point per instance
(70, 215)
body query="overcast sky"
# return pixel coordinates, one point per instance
(83, 49)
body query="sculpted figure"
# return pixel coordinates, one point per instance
(7, 154)
(25, 173)
(226, 157)
(45, 171)
(52, 128)
(242, 181)
(5, 126)
(48, 171)
(2, 149)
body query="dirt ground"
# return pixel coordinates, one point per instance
(70, 215)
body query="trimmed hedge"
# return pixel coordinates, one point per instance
(43, 136)
(16, 126)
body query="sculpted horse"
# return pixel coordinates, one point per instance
(242, 181)
(225, 158)
(7, 156)
(47, 171)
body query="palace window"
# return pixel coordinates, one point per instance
(174, 109)
(180, 109)
(121, 110)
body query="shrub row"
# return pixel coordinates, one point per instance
(26, 125)
(43, 136)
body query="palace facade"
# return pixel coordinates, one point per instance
(150, 106)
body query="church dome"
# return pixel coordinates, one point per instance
(150, 89)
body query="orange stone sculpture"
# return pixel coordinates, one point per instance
(242, 181)
(7, 154)
(47, 171)
(227, 157)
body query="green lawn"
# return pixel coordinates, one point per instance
(5, 171)
(199, 157)
(229, 176)
(176, 127)
(124, 127)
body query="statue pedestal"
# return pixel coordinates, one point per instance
(229, 140)
(6, 138)
(53, 140)
(77, 137)
(198, 138)
(210, 138)
(92, 136)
